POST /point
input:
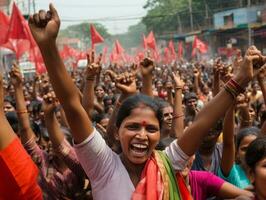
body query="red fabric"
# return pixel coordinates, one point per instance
(4, 25)
(180, 50)
(144, 42)
(36, 57)
(95, 36)
(166, 55)
(9, 45)
(151, 42)
(105, 49)
(118, 48)
(200, 45)
(21, 46)
(17, 25)
(184, 192)
(172, 50)
(150, 186)
(18, 174)
(113, 56)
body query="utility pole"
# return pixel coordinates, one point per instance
(28, 8)
(249, 3)
(179, 23)
(206, 13)
(191, 15)
(34, 6)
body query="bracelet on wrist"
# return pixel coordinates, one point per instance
(233, 88)
(90, 78)
(178, 88)
(21, 111)
(178, 116)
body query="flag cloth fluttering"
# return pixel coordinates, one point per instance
(95, 36)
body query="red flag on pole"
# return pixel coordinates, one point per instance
(17, 25)
(172, 50)
(4, 25)
(180, 49)
(105, 49)
(150, 40)
(118, 48)
(95, 36)
(166, 55)
(144, 42)
(200, 45)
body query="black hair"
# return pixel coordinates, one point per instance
(162, 103)
(100, 85)
(10, 100)
(135, 101)
(97, 117)
(246, 132)
(190, 95)
(256, 151)
(12, 118)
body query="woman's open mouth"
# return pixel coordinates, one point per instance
(139, 150)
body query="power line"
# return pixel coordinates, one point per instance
(76, 5)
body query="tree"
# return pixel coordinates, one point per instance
(82, 31)
(174, 15)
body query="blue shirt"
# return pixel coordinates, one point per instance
(237, 177)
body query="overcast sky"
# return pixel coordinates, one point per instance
(116, 15)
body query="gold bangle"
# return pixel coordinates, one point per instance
(21, 111)
(90, 78)
(178, 116)
(179, 88)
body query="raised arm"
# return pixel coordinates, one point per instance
(196, 74)
(169, 88)
(60, 145)
(93, 70)
(206, 118)
(23, 116)
(178, 115)
(49, 105)
(216, 77)
(228, 156)
(261, 79)
(7, 134)
(243, 108)
(44, 27)
(146, 68)
(126, 83)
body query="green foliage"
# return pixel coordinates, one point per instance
(82, 31)
(166, 16)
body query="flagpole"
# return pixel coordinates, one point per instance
(191, 15)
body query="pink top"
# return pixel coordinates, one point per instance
(109, 178)
(204, 184)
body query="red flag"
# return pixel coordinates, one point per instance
(36, 57)
(200, 45)
(95, 36)
(113, 57)
(166, 55)
(118, 48)
(150, 40)
(4, 25)
(144, 42)
(105, 49)
(172, 50)
(180, 49)
(17, 25)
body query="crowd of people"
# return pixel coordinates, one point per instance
(187, 130)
